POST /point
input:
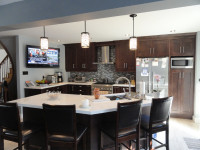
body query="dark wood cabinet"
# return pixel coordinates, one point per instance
(152, 47)
(120, 89)
(79, 89)
(182, 46)
(181, 87)
(125, 58)
(80, 59)
(30, 92)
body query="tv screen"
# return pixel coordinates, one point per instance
(42, 58)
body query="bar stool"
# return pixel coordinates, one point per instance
(61, 127)
(12, 129)
(126, 126)
(157, 121)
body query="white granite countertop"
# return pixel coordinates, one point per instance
(58, 84)
(69, 99)
(123, 85)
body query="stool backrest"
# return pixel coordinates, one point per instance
(160, 109)
(60, 119)
(128, 114)
(9, 116)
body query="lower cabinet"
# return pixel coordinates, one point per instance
(31, 92)
(182, 89)
(79, 89)
(119, 89)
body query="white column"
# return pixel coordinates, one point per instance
(196, 116)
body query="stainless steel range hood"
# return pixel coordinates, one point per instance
(105, 56)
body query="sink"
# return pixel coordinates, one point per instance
(116, 97)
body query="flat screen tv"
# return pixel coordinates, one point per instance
(37, 58)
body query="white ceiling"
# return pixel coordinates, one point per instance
(6, 2)
(177, 20)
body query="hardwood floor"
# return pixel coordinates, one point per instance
(179, 129)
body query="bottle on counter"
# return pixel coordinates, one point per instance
(96, 93)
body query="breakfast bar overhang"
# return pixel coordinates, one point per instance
(31, 111)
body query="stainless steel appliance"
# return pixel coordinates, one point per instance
(182, 62)
(59, 77)
(154, 73)
(105, 88)
(51, 78)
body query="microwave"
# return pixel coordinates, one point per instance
(182, 62)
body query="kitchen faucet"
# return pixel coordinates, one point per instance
(120, 78)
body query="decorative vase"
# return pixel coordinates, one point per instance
(96, 93)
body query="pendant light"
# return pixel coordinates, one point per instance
(133, 39)
(44, 42)
(85, 39)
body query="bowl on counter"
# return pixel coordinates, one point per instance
(53, 95)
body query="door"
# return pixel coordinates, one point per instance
(174, 89)
(188, 46)
(70, 57)
(160, 48)
(187, 91)
(144, 48)
(122, 55)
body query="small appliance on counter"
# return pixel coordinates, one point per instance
(59, 77)
(51, 78)
(79, 79)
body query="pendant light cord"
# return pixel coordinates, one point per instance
(85, 25)
(44, 30)
(133, 26)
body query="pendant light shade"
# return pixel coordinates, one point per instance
(85, 39)
(133, 39)
(44, 42)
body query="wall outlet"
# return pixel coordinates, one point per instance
(25, 72)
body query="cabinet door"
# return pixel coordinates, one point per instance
(125, 58)
(144, 48)
(81, 57)
(174, 89)
(188, 46)
(187, 91)
(91, 55)
(160, 48)
(70, 57)
(175, 47)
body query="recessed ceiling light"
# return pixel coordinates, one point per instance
(172, 31)
(58, 40)
(127, 35)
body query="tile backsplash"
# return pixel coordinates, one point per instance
(104, 71)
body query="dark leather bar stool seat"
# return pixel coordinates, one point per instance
(61, 127)
(126, 127)
(157, 121)
(11, 127)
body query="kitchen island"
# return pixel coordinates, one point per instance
(90, 117)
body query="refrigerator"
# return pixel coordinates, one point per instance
(152, 74)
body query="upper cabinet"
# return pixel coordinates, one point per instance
(182, 46)
(80, 59)
(152, 47)
(125, 58)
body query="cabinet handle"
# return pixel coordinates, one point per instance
(85, 65)
(73, 65)
(183, 49)
(179, 75)
(180, 49)
(72, 88)
(150, 50)
(183, 75)
(153, 50)
(124, 65)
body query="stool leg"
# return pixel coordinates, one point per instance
(150, 141)
(84, 141)
(20, 145)
(145, 141)
(167, 138)
(100, 141)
